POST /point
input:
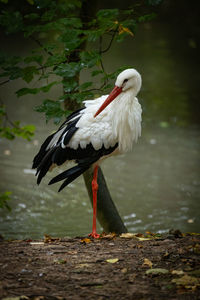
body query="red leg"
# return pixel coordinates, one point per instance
(94, 233)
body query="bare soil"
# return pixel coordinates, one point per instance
(107, 268)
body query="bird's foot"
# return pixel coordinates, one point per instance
(94, 235)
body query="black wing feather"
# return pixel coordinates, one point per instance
(39, 157)
(58, 154)
(71, 178)
(84, 159)
(69, 125)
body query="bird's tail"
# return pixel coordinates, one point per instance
(69, 175)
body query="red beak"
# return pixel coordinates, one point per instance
(115, 92)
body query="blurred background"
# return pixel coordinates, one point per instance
(156, 187)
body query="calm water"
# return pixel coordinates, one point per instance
(156, 187)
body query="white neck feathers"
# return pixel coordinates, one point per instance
(126, 120)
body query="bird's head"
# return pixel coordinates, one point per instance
(127, 80)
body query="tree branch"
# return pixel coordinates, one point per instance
(111, 41)
(4, 82)
(40, 44)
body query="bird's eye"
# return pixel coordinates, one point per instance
(125, 80)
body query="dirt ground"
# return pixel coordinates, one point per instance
(127, 267)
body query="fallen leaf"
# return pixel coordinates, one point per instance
(150, 233)
(188, 282)
(108, 236)
(157, 271)
(131, 278)
(155, 235)
(166, 254)
(86, 241)
(80, 266)
(72, 252)
(123, 29)
(128, 235)
(139, 246)
(147, 262)
(49, 239)
(124, 270)
(60, 261)
(144, 239)
(139, 235)
(112, 260)
(36, 243)
(177, 272)
(192, 233)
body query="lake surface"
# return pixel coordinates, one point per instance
(156, 187)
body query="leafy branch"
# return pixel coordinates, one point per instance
(10, 129)
(4, 198)
(61, 34)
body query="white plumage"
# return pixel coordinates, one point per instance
(105, 126)
(119, 122)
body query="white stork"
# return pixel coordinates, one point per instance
(101, 128)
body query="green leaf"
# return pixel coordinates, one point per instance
(28, 73)
(2, 110)
(70, 85)
(48, 16)
(55, 59)
(96, 72)
(90, 58)
(6, 132)
(31, 29)
(147, 17)
(32, 16)
(106, 18)
(127, 12)
(51, 109)
(45, 89)
(71, 22)
(25, 91)
(157, 271)
(130, 24)
(12, 72)
(85, 85)
(16, 129)
(3, 200)
(71, 39)
(26, 132)
(11, 61)
(93, 35)
(34, 58)
(81, 96)
(111, 14)
(67, 70)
